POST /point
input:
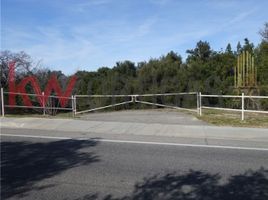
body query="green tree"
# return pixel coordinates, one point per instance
(264, 32)
(248, 46)
(202, 51)
(238, 48)
(228, 49)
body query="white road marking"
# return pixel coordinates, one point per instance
(38, 136)
(137, 142)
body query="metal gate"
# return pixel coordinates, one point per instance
(137, 98)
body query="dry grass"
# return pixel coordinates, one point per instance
(230, 118)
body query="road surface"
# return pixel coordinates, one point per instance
(63, 168)
(152, 116)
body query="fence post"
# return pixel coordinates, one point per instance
(200, 104)
(243, 106)
(2, 102)
(197, 102)
(74, 105)
(43, 101)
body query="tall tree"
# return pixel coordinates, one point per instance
(23, 60)
(261, 53)
(238, 48)
(248, 46)
(228, 48)
(264, 32)
(202, 51)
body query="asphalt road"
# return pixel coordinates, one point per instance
(42, 168)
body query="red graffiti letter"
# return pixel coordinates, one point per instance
(51, 85)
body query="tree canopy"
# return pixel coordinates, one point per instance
(204, 70)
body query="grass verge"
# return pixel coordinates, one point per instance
(230, 118)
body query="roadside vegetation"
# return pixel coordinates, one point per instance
(230, 118)
(204, 70)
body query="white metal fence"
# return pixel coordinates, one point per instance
(72, 102)
(242, 99)
(44, 106)
(131, 100)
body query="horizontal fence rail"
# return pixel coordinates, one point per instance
(133, 98)
(103, 107)
(41, 104)
(241, 97)
(140, 95)
(37, 95)
(234, 96)
(163, 105)
(166, 94)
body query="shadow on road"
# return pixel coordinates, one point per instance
(25, 163)
(197, 185)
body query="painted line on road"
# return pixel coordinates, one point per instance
(37, 136)
(137, 142)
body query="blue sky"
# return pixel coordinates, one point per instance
(72, 35)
